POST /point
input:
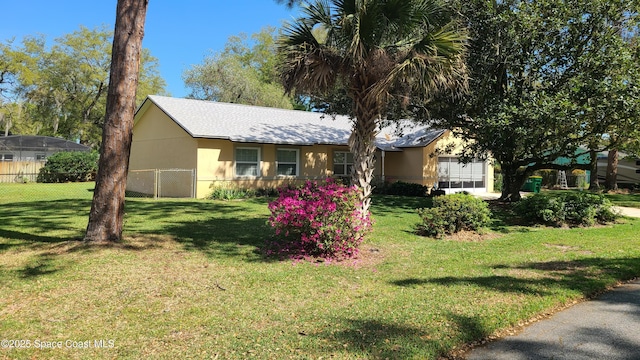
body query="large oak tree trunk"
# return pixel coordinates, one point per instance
(594, 185)
(512, 181)
(611, 182)
(107, 209)
(362, 145)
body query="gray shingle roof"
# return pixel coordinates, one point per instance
(255, 124)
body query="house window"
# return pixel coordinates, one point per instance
(247, 161)
(342, 163)
(6, 157)
(287, 162)
(41, 157)
(455, 175)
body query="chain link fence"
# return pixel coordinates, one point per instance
(22, 185)
(162, 183)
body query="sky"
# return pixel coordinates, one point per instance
(178, 33)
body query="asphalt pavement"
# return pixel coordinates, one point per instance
(607, 327)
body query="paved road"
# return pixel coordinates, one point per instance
(607, 328)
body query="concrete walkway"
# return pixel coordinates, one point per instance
(607, 327)
(627, 211)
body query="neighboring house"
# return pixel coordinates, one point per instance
(250, 146)
(21, 156)
(34, 148)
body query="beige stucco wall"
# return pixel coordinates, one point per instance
(216, 167)
(159, 143)
(414, 165)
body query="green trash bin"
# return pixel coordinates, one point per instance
(533, 184)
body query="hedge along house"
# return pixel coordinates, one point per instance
(221, 144)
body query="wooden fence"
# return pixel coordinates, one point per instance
(19, 171)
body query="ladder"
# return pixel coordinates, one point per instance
(562, 179)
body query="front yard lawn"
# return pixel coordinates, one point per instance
(190, 282)
(627, 200)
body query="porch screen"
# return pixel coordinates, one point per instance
(455, 175)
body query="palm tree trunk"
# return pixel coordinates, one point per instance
(362, 145)
(107, 209)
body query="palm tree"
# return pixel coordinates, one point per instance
(380, 53)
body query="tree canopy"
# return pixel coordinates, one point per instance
(243, 72)
(61, 90)
(547, 78)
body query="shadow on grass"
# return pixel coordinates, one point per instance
(389, 204)
(378, 339)
(42, 265)
(589, 276)
(215, 228)
(218, 229)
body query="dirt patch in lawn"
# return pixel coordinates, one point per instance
(471, 236)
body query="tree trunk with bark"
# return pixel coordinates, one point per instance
(362, 145)
(594, 185)
(512, 181)
(611, 182)
(107, 209)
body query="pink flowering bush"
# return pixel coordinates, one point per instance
(317, 220)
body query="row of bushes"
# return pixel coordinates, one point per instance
(457, 212)
(229, 191)
(571, 208)
(324, 220)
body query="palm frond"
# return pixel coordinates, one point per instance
(433, 64)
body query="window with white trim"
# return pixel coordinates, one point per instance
(287, 162)
(247, 161)
(41, 157)
(342, 163)
(6, 157)
(455, 175)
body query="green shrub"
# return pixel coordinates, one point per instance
(541, 208)
(453, 213)
(69, 166)
(401, 188)
(229, 191)
(572, 208)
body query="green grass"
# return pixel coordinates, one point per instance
(627, 200)
(190, 282)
